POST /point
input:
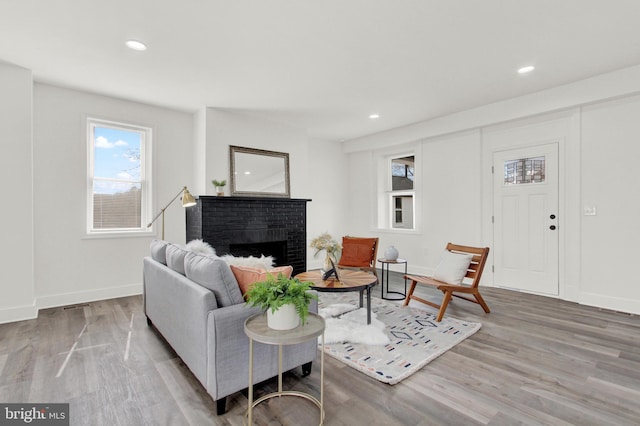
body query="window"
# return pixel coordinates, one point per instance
(524, 170)
(118, 187)
(402, 192)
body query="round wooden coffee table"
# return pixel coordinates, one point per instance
(350, 280)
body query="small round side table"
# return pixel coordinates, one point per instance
(396, 294)
(256, 328)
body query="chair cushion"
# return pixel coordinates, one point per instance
(357, 251)
(246, 275)
(158, 250)
(214, 274)
(175, 258)
(452, 267)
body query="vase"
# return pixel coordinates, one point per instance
(285, 318)
(327, 266)
(391, 253)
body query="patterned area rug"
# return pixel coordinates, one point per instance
(415, 338)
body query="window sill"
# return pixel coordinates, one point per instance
(118, 234)
(397, 231)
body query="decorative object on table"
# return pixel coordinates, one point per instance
(274, 294)
(416, 338)
(325, 242)
(391, 253)
(187, 201)
(219, 184)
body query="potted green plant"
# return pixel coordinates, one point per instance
(286, 300)
(219, 184)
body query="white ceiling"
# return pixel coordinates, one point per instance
(322, 65)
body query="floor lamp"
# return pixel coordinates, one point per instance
(187, 201)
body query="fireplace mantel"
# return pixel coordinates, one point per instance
(252, 225)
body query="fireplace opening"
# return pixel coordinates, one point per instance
(277, 249)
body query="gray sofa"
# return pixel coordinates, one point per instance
(194, 301)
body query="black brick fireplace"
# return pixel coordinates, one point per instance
(244, 226)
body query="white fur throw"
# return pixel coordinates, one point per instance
(262, 262)
(200, 247)
(352, 326)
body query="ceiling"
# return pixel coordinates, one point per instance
(322, 65)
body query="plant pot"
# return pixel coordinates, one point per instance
(220, 191)
(285, 318)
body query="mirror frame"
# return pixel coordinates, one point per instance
(235, 192)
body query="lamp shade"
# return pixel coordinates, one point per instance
(187, 198)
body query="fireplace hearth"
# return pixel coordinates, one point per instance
(252, 226)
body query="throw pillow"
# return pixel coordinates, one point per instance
(262, 262)
(246, 275)
(212, 273)
(175, 258)
(357, 251)
(158, 250)
(201, 247)
(452, 267)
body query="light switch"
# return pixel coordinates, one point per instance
(589, 210)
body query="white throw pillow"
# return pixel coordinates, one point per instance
(262, 262)
(200, 247)
(452, 267)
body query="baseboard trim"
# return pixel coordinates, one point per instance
(88, 296)
(18, 313)
(619, 304)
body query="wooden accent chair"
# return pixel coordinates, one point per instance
(474, 273)
(359, 253)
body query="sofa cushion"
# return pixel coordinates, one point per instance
(158, 250)
(246, 275)
(214, 274)
(175, 258)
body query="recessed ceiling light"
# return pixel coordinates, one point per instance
(372, 116)
(527, 69)
(136, 45)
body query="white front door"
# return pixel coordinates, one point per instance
(525, 218)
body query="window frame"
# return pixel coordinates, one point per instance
(386, 195)
(145, 180)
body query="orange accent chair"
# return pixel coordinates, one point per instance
(477, 258)
(359, 253)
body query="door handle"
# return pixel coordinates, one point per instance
(553, 216)
(552, 227)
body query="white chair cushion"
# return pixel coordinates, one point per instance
(452, 267)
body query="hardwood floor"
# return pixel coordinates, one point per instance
(536, 361)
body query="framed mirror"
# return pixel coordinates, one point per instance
(258, 173)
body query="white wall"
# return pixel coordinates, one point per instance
(16, 185)
(317, 167)
(596, 123)
(448, 186)
(610, 160)
(70, 268)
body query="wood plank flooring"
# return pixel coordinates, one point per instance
(536, 361)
